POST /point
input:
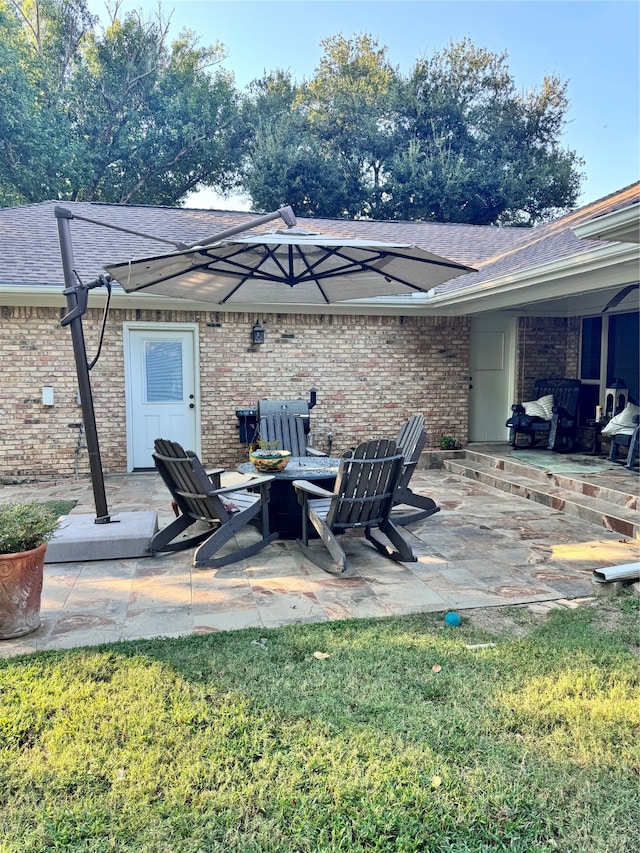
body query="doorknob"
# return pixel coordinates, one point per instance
(192, 405)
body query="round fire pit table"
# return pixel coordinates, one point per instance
(285, 513)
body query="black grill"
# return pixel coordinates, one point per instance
(249, 419)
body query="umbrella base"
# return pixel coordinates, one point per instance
(80, 539)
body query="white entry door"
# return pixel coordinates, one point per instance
(162, 399)
(492, 382)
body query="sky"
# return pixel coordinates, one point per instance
(592, 44)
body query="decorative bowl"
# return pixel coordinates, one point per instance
(269, 461)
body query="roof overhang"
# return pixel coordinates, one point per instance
(622, 226)
(51, 296)
(600, 269)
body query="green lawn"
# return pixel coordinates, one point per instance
(248, 741)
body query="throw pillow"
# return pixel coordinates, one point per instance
(627, 415)
(547, 405)
(622, 424)
(534, 409)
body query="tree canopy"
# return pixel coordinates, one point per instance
(454, 141)
(116, 116)
(120, 114)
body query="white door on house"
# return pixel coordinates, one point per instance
(492, 377)
(161, 389)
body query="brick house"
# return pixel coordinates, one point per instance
(460, 354)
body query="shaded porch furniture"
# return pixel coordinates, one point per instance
(549, 419)
(362, 499)
(199, 497)
(410, 440)
(629, 446)
(288, 431)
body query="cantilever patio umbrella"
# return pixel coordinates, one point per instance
(292, 267)
(287, 267)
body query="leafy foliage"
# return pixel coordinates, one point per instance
(117, 116)
(24, 526)
(452, 142)
(123, 116)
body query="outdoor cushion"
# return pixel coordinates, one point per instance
(534, 409)
(623, 422)
(547, 403)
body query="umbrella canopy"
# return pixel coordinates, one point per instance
(289, 267)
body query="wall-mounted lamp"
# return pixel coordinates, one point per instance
(257, 334)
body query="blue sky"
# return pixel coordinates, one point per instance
(593, 44)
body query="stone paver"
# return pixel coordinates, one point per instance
(484, 548)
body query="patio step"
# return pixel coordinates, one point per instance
(610, 507)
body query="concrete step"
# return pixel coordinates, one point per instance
(607, 507)
(583, 484)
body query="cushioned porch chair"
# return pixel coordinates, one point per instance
(409, 507)
(288, 431)
(629, 444)
(362, 499)
(550, 418)
(199, 497)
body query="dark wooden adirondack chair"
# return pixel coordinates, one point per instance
(199, 496)
(288, 431)
(410, 440)
(363, 497)
(557, 431)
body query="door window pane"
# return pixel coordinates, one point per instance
(589, 399)
(590, 351)
(622, 356)
(163, 371)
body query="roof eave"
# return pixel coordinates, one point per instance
(604, 266)
(619, 226)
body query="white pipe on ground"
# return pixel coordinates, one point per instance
(623, 572)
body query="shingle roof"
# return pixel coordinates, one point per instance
(30, 252)
(546, 243)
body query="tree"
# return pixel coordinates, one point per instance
(285, 162)
(33, 63)
(478, 151)
(326, 143)
(351, 105)
(452, 142)
(124, 118)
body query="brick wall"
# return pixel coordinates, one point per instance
(370, 373)
(547, 348)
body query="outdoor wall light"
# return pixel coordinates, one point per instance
(257, 334)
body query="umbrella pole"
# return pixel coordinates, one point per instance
(77, 296)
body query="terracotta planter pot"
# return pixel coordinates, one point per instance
(20, 592)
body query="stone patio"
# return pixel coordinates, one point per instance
(485, 548)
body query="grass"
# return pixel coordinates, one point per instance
(247, 741)
(60, 507)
